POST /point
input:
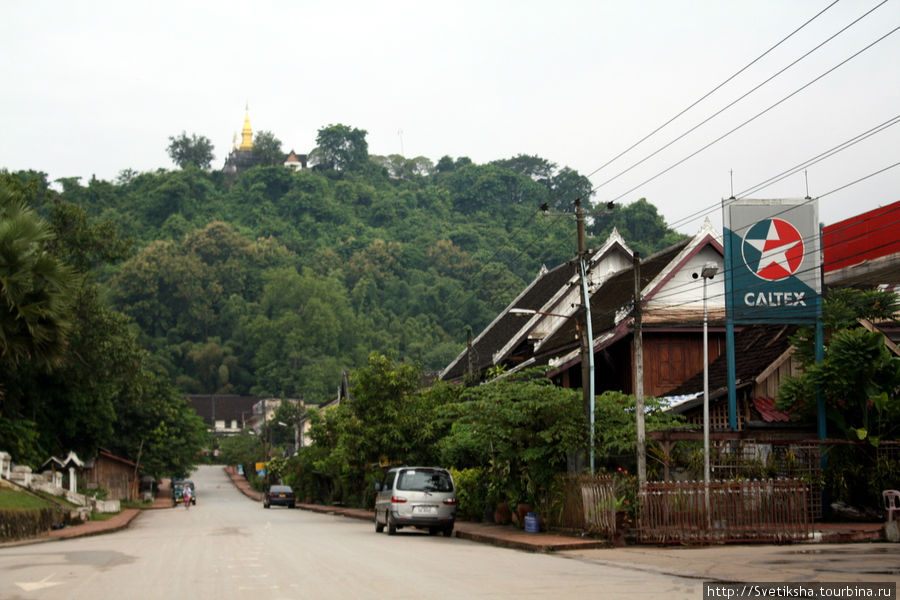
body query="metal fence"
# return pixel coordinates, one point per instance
(724, 511)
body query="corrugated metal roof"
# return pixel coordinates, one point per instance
(766, 409)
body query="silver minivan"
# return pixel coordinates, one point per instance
(422, 497)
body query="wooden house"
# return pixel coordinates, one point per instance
(118, 476)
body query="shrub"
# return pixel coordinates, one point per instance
(471, 492)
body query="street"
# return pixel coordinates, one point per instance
(228, 546)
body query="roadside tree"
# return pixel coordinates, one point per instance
(190, 151)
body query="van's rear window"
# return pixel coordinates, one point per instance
(423, 480)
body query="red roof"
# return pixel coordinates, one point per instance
(768, 412)
(868, 236)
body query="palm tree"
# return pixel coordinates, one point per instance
(36, 288)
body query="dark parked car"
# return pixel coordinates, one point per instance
(280, 495)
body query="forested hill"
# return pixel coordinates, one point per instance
(273, 280)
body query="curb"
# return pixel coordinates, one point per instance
(502, 537)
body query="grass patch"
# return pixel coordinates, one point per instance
(16, 500)
(57, 500)
(102, 516)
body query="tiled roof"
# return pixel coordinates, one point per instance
(506, 325)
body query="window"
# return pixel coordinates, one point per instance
(425, 480)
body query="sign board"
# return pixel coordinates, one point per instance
(773, 265)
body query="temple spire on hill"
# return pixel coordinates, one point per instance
(246, 132)
(243, 156)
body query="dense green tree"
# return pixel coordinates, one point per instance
(341, 148)
(566, 186)
(267, 149)
(194, 151)
(859, 376)
(100, 392)
(859, 380)
(639, 223)
(392, 253)
(523, 426)
(35, 286)
(242, 449)
(537, 168)
(400, 167)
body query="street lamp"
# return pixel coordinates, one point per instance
(586, 386)
(708, 272)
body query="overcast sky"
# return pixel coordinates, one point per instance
(92, 88)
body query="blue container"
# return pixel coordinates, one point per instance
(532, 525)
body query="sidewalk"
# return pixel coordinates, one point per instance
(506, 536)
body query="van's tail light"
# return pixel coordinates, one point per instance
(398, 499)
(450, 501)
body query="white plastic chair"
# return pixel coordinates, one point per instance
(891, 503)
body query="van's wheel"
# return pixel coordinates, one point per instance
(379, 527)
(391, 526)
(448, 531)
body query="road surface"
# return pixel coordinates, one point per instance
(228, 546)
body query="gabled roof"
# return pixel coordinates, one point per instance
(616, 292)
(611, 303)
(506, 324)
(110, 456)
(71, 460)
(222, 407)
(547, 293)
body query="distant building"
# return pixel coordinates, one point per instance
(295, 162)
(224, 414)
(242, 156)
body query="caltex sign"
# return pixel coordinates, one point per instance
(772, 260)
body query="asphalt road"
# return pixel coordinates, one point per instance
(228, 546)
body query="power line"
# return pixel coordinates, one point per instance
(738, 99)
(758, 115)
(711, 92)
(793, 170)
(827, 154)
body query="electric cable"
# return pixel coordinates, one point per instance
(733, 102)
(712, 91)
(758, 115)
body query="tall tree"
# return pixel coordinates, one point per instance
(341, 148)
(35, 286)
(535, 167)
(267, 149)
(196, 150)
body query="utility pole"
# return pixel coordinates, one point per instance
(470, 360)
(585, 326)
(639, 375)
(587, 336)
